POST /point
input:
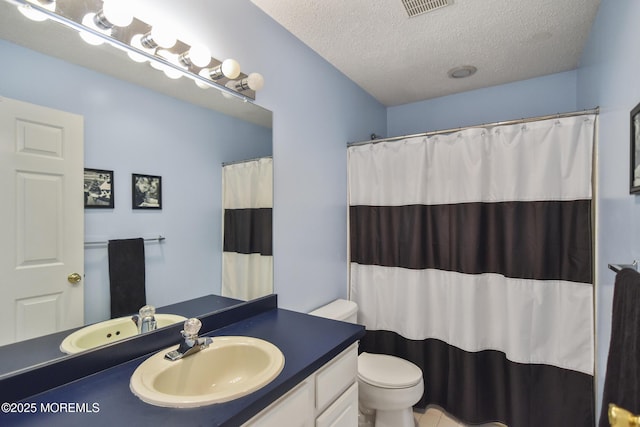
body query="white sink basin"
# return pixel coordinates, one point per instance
(109, 331)
(231, 367)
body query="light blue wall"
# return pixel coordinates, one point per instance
(551, 94)
(129, 129)
(608, 77)
(316, 110)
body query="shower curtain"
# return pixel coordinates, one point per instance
(471, 256)
(247, 200)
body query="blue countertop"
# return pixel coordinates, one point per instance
(24, 354)
(104, 398)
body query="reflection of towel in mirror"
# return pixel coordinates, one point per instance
(126, 276)
(622, 380)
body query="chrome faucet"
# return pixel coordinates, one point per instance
(191, 344)
(145, 319)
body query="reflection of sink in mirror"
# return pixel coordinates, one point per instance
(229, 368)
(122, 102)
(110, 331)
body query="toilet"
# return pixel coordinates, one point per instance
(388, 386)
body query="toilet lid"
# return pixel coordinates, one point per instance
(385, 371)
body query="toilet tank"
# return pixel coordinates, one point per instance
(340, 309)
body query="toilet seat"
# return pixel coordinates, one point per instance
(384, 371)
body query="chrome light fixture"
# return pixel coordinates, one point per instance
(254, 82)
(229, 68)
(110, 21)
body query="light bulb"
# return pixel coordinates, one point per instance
(31, 13)
(159, 36)
(92, 39)
(230, 68)
(36, 15)
(157, 65)
(117, 13)
(203, 73)
(172, 73)
(255, 81)
(168, 71)
(197, 55)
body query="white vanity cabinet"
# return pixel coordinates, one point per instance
(327, 398)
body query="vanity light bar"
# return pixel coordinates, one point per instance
(71, 12)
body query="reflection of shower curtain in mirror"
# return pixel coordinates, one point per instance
(247, 199)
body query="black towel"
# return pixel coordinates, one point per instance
(126, 276)
(622, 381)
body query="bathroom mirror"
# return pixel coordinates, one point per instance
(35, 54)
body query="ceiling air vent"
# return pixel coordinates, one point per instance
(418, 7)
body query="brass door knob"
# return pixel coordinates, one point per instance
(619, 417)
(74, 278)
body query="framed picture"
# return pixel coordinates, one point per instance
(146, 191)
(634, 170)
(98, 188)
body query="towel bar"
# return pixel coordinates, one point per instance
(152, 239)
(618, 267)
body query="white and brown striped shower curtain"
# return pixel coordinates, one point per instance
(247, 200)
(471, 255)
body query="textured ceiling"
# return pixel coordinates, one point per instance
(399, 60)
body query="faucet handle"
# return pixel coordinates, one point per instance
(147, 311)
(191, 328)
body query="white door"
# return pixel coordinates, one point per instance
(41, 221)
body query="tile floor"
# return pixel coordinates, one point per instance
(436, 417)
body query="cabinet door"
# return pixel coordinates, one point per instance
(295, 409)
(336, 377)
(343, 412)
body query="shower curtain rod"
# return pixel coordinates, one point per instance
(235, 162)
(595, 110)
